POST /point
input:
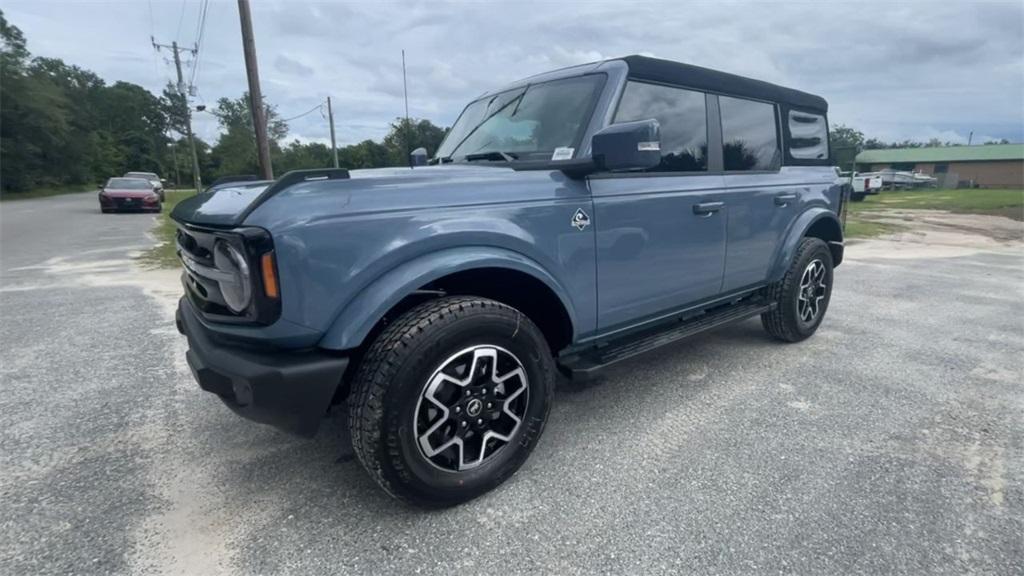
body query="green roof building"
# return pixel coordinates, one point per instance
(988, 166)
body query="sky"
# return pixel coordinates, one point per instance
(894, 70)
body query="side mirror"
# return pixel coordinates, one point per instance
(627, 146)
(418, 157)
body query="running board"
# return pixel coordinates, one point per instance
(583, 364)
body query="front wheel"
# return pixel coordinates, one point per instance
(802, 296)
(450, 399)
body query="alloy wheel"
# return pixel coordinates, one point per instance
(812, 291)
(471, 407)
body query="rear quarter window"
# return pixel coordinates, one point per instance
(808, 136)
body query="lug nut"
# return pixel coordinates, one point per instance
(464, 424)
(479, 420)
(458, 409)
(488, 404)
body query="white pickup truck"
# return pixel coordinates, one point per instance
(863, 184)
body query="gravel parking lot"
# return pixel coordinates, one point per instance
(891, 442)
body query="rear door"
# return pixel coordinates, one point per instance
(763, 198)
(661, 234)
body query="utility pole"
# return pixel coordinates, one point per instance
(259, 117)
(196, 180)
(330, 118)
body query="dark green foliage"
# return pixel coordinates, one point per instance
(63, 126)
(406, 136)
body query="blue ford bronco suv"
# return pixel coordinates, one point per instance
(567, 222)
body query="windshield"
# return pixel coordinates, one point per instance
(128, 184)
(260, 185)
(146, 175)
(530, 122)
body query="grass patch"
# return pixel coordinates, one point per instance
(862, 228)
(162, 255)
(46, 191)
(996, 201)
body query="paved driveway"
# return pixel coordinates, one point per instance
(891, 442)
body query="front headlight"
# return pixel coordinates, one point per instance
(237, 291)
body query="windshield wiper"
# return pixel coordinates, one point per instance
(492, 155)
(516, 99)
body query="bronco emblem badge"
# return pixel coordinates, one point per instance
(580, 219)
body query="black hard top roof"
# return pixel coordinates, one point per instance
(669, 72)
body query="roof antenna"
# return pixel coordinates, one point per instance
(405, 89)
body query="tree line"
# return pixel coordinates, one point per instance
(61, 125)
(845, 142)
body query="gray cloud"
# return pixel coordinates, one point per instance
(286, 65)
(893, 69)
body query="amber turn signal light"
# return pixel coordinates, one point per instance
(269, 275)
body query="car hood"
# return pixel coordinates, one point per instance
(365, 190)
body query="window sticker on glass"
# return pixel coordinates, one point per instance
(562, 153)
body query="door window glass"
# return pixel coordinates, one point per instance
(681, 114)
(749, 135)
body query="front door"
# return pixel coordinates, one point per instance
(661, 234)
(660, 244)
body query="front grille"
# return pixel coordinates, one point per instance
(195, 250)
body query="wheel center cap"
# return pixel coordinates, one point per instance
(474, 407)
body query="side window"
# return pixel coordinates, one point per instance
(749, 134)
(684, 126)
(808, 136)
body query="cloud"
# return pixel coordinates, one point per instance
(286, 65)
(891, 69)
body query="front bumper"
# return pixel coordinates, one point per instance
(290, 390)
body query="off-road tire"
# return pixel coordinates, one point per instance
(391, 378)
(783, 321)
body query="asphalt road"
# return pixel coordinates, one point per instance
(891, 442)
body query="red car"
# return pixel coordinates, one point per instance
(129, 195)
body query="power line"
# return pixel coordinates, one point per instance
(181, 19)
(306, 113)
(200, 35)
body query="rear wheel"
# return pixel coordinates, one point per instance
(802, 296)
(450, 400)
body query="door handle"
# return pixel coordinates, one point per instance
(785, 199)
(707, 208)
